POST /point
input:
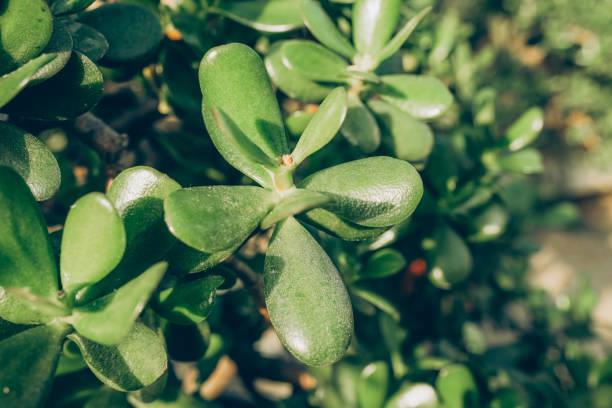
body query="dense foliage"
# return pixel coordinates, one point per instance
(293, 202)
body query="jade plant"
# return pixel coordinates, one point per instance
(306, 299)
(378, 97)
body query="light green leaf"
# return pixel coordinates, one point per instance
(525, 130)
(457, 387)
(373, 385)
(271, 16)
(360, 127)
(373, 192)
(383, 263)
(296, 202)
(322, 127)
(414, 395)
(423, 97)
(374, 22)
(489, 224)
(31, 158)
(88, 41)
(46, 308)
(13, 82)
(341, 228)
(109, 319)
(60, 7)
(184, 260)
(402, 35)
(28, 360)
(60, 45)
(313, 61)
(136, 362)
(452, 260)
(380, 301)
(93, 242)
(323, 28)
(27, 259)
(307, 301)
(212, 219)
(527, 161)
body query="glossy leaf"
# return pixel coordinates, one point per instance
(212, 219)
(374, 22)
(74, 90)
(60, 7)
(417, 395)
(423, 97)
(27, 258)
(401, 37)
(31, 158)
(93, 242)
(373, 385)
(109, 319)
(383, 263)
(28, 360)
(133, 32)
(452, 261)
(341, 228)
(306, 299)
(189, 302)
(408, 138)
(373, 192)
(60, 45)
(258, 122)
(323, 28)
(290, 81)
(294, 203)
(88, 41)
(457, 387)
(25, 29)
(323, 126)
(313, 61)
(489, 224)
(13, 82)
(271, 16)
(525, 130)
(360, 127)
(136, 362)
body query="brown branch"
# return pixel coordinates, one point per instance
(252, 282)
(96, 133)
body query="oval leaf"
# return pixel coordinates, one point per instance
(383, 263)
(307, 301)
(60, 7)
(417, 395)
(373, 24)
(452, 262)
(313, 61)
(402, 35)
(457, 387)
(296, 202)
(88, 41)
(525, 130)
(271, 16)
(373, 385)
(323, 28)
(421, 96)
(490, 224)
(13, 82)
(341, 228)
(360, 127)
(60, 45)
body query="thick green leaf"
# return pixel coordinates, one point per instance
(88, 41)
(271, 16)
(246, 98)
(13, 82)
(307, 301)
(423, 97)
(26, 257)
(457, 387)
(383, 263)
(373, 192)
(136, 362)
(341, 228)
(313, 61)
(109, 319)
(373, 385)
(290, 81)
(360, 127)
(295, 202)
(47, 308)
(323, 126)
(414, 395)
(323, 28)
(489, 224)
(378, 300)
(133, 32)
(28, 360)
(184, 260)
(408, 138)
(525, 130)
(527, 161)
(74, 90)
(93, 242)
(402, 35)
(60, 45)
(31, 158)
(25, 30)
(374, 22)
(296, 122)
(452, 260)
(60, 7)
(189, 302)
(212, 219)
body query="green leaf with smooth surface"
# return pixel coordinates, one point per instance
(184, 260)
(133, 32)
(383, 263)
(212, 219)
(25, 30)
(401, 37)
(28, 360)
(26, 257)
(93, 242)
(415, 395)
(313, 61)
(525, 130)
(373, 192)
(323, 126)
(47, 308)
(60, 45)
(341, 228)
(527, 161)
(60, 7)
(290, 81)
(374, 22)
(323, 28)
(136, 362)
(307, 301)
(359, 126)
(373, 385)
(408, 138)
(296, 202)
(31, 158)
(271, 16)
(88, 41)
(489, 224)
(457, 387)
(13, 82)
(109, 319)
(189, 302)
(452, 260)
(76, 89)
(421, 96)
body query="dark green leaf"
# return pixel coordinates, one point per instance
(271, 16)
(457, 387)
(379, 301)
(313, 61)
(31, 158)
(360, 127)
(295, 202)
(373, 385)
(414, 395)
(307, 301)
(60, 7)
(488, 224)
(186, 342)
(334, 225)
(184, 260)
(323, 28)
(60, 45)
(374, 22)
(452, 260)
(88, 41)
(423, 97)
(383, 263)
(525, 130)
(13, 82)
